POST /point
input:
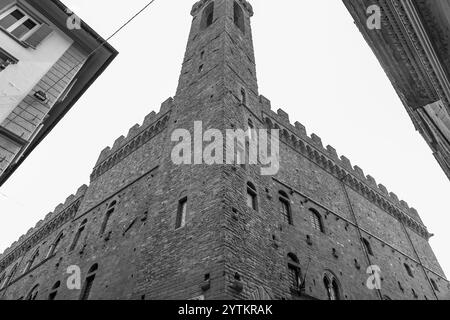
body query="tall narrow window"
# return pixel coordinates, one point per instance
(54, 291)
(208, 16)
(332, 287)
(54, 245)
(243, 96)
(2, 278)
(109, 211)
(285, 207)
(367, 246)
(252, 200)
(88, 283)
(32, 295)
(251, 130)
(434, 284)
(294, 271)
(409, 270)
(239, 17)
(316, 220)
(78, 235)
(10, 276)
(181, 213)
(30, 262)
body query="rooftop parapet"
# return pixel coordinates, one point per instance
(48, 218)
(281, 119)
(137, 129)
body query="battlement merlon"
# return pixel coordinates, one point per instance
(137, 129)
(198, 6)
(314, 141)
(49, 218)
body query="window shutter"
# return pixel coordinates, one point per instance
(37, 37)
(5, 3)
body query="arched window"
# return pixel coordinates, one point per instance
(285, 207)
(252, 199)
(367, 246)
(54, 291)
(32, 295)
(78, 235)
(239, 17)
(434, 284)
(30, 262)
(294, 271)
(54, 245)
(414, 294)
(208, 16)
(332, 286)
(89, 282)
(400, 287)
(109, 211)
(316, 220)
(251, 130)
(10, 276)
(409, 270)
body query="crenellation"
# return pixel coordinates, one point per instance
(167, 105)
(371, 181)
(317, 140)
(383, 189)
(301, 129)
(284, 115)
(265, 103)
(120, 142)
(103, 155)
(346, 163)
(133, 132)
(149, 119)
(332, 152)
(359, 172)
(394, 198)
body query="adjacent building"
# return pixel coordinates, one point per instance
(48, 58)
(149, 228)
(412, 44)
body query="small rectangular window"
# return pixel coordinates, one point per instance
(18, 23)
(181, 214)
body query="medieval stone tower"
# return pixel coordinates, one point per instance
(146, 228)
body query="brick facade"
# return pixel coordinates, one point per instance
(225, 250)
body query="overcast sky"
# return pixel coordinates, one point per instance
(311, 61)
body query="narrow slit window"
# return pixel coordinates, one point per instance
(207, 17)
(181, 214)
(252, 200)
(239, 17)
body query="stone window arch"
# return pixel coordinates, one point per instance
(109, 212)
(332, 286)
(252, 196)
(207, 16)
(239, 18)
(54, 291)
(80, 231)
(89, 282)
(32, 295)
(55, 244)
(408, 270)
(368, 246)
(294, 271)
(316, 220)
(31, 261)
(285, 207)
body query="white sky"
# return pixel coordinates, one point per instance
(311, 61)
